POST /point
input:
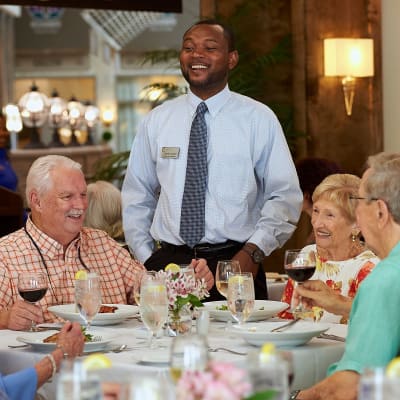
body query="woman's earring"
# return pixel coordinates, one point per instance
(354, 237)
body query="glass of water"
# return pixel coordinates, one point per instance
(74, 383)
(376, 385)
(241, 296)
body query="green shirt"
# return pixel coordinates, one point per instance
(374, 329)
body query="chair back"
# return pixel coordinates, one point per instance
(11, 211)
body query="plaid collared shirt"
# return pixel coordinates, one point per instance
(93, 248)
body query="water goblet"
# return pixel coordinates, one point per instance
(88, 297)
(300, 266)
(136, 287)
(224, 268)
(188, 353)
(32, 287)
(153, 306)
(241, 296)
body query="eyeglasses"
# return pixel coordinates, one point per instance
(363, 198)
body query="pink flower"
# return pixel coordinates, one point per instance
(220, 381)
(181, 285)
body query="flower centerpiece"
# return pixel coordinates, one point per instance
(219, 381)
(184, 292)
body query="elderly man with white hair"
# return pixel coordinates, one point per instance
(55, 242)
(374, 328)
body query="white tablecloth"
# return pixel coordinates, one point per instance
(310, 361)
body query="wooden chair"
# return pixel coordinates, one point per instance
(11, 211)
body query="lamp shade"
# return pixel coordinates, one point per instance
(349, 57)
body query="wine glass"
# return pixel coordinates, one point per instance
(153, 306)
(32, 287)
(241, 296)
(188, 353)
(136, 286)
(88, 297)
(224, 268)
(300, 266)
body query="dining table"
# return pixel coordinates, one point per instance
(310, 361)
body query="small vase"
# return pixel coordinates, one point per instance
(179, 321)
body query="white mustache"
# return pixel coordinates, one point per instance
(74, 213)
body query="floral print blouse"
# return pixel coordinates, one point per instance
(344, 276)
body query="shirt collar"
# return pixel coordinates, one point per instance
(45, 242)
(214, 103)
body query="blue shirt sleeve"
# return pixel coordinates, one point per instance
(21, 385)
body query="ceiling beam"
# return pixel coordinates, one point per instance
(132, 5)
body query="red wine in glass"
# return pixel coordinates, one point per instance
(300, 274)
(32, 287)
(32, 296)
(300, 266)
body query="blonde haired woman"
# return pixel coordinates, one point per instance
(343, 260)
(104, 209)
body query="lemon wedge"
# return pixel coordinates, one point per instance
(155, 288)
(268, 352)
(393, 368)
(96, 361)
(81, 275)
(237, 279)
(173, 267)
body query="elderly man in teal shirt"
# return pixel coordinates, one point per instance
(374, 328)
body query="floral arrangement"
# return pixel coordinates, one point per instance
(183, 289)
(220, 381)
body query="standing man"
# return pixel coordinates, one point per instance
(210, 173)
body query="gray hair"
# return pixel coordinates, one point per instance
(383, 182)
(39, 173)
(104, 209)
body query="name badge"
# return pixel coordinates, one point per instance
(170, 152)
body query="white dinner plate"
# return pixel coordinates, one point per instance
(68, 312)
(263, 309)
(296, 335)
(35, 339)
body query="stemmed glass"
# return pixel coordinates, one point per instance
(153, 306)
(241, 296)
(88, 297)
(32, 287)
(138, 283)
(300, 266)
(224, 268)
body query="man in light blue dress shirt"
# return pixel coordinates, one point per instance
(253, 198)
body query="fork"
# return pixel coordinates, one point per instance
(283, 327)
(214, 350)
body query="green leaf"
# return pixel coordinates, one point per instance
(264, 395)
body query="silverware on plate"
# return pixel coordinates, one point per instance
(283, 327)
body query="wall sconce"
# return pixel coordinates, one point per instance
(13, 123)
(107, 117)
(349, 58)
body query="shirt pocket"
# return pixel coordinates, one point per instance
(231, 177)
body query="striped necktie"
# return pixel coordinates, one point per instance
(194, 194)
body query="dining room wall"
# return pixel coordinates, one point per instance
(390, 74)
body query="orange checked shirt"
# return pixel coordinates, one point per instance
(93, 249)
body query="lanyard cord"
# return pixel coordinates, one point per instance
(45, 265)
